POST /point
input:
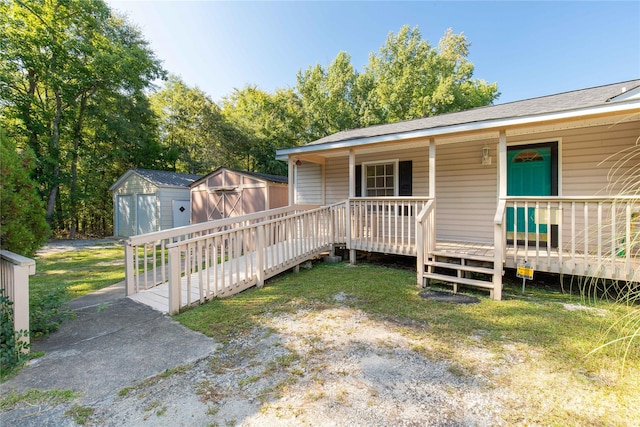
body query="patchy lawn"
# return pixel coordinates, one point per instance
(530, 353)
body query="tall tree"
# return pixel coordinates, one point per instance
(61, 58)
(192, 127)
(263, 123)
(412, 79)
(328, 96)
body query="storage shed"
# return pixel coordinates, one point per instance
(150, 200)
(227, 192)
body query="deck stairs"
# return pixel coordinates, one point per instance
(468, 270)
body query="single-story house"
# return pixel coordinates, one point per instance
(150, 200)
(545, 184)
(228, 192)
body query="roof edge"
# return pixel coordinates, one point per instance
(620, 106)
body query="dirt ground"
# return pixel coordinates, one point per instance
(333, 366)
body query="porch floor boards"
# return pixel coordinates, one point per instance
(239, 274)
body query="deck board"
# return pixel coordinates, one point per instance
(240, 274)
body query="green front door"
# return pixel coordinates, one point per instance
(529, 173)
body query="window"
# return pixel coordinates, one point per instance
(380, 179)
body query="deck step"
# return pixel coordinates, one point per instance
(459, 280)
(460, 267)
(459, 255)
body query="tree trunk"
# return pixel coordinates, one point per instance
(54, 153)
(73, 192)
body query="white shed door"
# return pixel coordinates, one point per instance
(181, 212)
(124, 216)
(146, 213)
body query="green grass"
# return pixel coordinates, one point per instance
(551, 344)
(36, 397)
(79, 271)
(62, 276)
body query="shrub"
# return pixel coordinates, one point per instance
(11, 346)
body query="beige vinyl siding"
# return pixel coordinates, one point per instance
(308, 184)
(465, 193)
(337, 171)
(336, 179)
(587, 155)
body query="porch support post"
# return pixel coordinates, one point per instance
(129, 269)
(432, 168)
(291, 182)
(352, 194)
(498, 240)
(174, 281)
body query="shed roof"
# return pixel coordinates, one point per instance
(159, 178)
(261, 176)
(523, 111)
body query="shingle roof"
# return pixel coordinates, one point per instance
(577, 99)
(258, 175)
(166, 178)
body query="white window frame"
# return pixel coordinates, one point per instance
(396, 176)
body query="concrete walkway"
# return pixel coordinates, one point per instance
(112, 342)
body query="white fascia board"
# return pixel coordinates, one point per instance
(463, 127)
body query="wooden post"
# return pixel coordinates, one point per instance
(498, 240)
(352, 194)
(260, 255)
(129, 269)
(291, 181)
(174, 280)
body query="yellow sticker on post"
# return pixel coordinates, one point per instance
(524, 271)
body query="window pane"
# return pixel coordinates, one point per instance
(380, 170)
(371, 182)
(371, 171)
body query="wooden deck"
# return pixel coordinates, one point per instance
(548, 260)
(227, 278)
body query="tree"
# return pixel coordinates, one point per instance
(406, 79)
(327, 97)
(192, 127)
(23, 228)
(61, 60)
(263, 123)
(414, 80)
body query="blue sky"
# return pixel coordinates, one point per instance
(529, 48)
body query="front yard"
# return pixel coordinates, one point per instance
(358, 345)
(529, 353)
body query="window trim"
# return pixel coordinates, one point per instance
(396, 175)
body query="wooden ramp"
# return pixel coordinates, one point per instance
(230, 277)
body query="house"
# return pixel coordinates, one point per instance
(149, 200)
(542, 185)
(228, 192)
(539, 183)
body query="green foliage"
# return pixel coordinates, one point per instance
(12, 348)
(64, 62)
(406, 79)
(80, 414)
(23, 228)
(267, 122)
(47, 311)
(191, 127)
(36, 397)
(65, 275)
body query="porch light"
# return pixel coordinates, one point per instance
(486, 158)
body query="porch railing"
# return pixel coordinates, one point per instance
(147, 255)
(228, 261)
(425, 236)
(386, 225)
(14, 274)
(586, 236)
